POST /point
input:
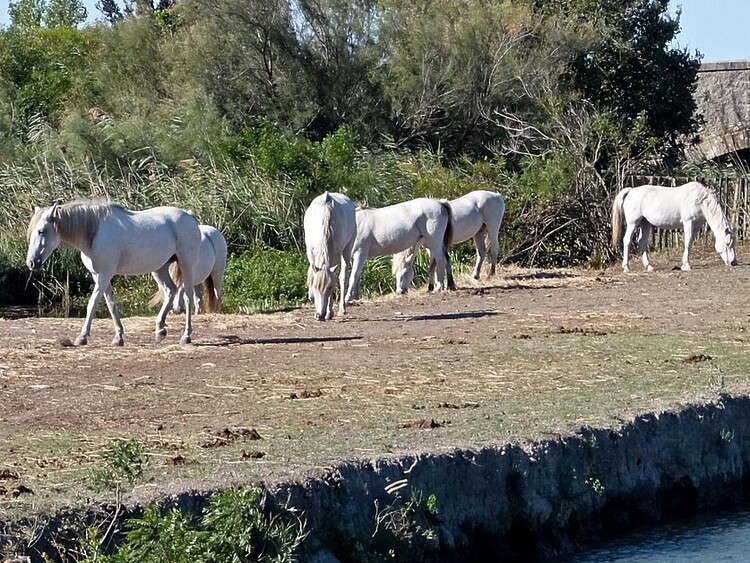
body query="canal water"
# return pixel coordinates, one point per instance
(716, 538)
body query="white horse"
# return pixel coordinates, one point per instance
(113, 240)
(395, 228)
(477, 215)
(208, 275)
(330, 228)
(687, 206)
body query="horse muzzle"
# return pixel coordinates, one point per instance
(34, 265)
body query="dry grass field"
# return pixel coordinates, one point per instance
(527, 355)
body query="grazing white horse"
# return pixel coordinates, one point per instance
(477, 215)
(330, 228)
(687, 206)
(113, 240)
(208, 273)
(395, 228)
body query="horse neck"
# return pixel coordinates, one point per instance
(78, 223)
(714, 215)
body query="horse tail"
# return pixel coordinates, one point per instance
(618, 216)
(156, 298)
(448, 236)
(212, 302)
(175, 273)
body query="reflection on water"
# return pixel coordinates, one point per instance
(717, 538)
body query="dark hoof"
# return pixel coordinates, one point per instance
(186, 340)
(81, 341)
(161, 334)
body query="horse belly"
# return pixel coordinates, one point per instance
(135, 259)
(465, 227)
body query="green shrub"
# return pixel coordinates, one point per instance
(265, 280)
(235, 526)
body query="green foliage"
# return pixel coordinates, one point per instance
(266, 279)
(235, 526)
(404, 528)
(124, 463)
(245, 112)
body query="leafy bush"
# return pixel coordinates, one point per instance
(235, 526)
(265, 279)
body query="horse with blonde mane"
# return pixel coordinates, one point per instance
(688, 206)
(477, 215)
(393, 229)
(208, 275)
(113, 240)
(330, 229)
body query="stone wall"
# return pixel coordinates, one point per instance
(723, 97)
(519, 503)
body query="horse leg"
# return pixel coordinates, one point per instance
(189, 296)
(431, 271)
(346, 262)
(481, 252)
(358, 263)
(165, 281)
(689, 234)
(494, 248)
(626, 240)
(109, 297)
(449, 272)
(99, 280)
(197, 298)
(643, 245)
(439, 262)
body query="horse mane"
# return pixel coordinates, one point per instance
(712, 209)
(401, 260)
(78, 221)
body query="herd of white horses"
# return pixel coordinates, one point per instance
(181, 255)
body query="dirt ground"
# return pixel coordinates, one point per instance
(526, 355)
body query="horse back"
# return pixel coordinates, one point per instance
(140, 242)
(473, 211)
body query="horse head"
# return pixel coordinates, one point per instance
(43, 234)
(320, 290)
(725, 246)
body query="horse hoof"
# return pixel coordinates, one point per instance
(186, 340)
(117, 342)
(649, 268)
(452, 286)
(161, 334)
(430, 287)
(81, 341)
(476, 276)
(685, 268)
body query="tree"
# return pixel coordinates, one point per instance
(631, 69)
(26, 15)
(65, 13)
(110, 10)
